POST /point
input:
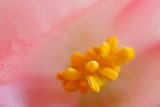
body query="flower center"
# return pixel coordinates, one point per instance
(95, 67)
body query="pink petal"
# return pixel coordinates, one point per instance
(94, 27)
(36, 91)
(132, 28)
(11, 97)
(25, 22)
(138, 84)
(138, 25)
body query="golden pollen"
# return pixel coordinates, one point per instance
(98, 65)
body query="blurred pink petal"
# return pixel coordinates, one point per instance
(127, 22)
(32, 18)
(10, 97)
(35, 91)
(137, 85)
(94, 27)
(23, 22)
(138, 25)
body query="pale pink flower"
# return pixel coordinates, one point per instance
(37, 38)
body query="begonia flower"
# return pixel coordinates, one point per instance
(38, 37)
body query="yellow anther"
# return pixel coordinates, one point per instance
(59, 76)
(70, 86)
(98, 64)
(116, 68)
(77, 59)
(109, 74)
(93, 83)
(90, 55)
(91, 66)
(123, 55)
(95, 49)
(113, 42)
(84, 87)
(101, 81)
(131, 54)
(104, 50)
(71, 74)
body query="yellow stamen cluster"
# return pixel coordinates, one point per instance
(98, 64)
